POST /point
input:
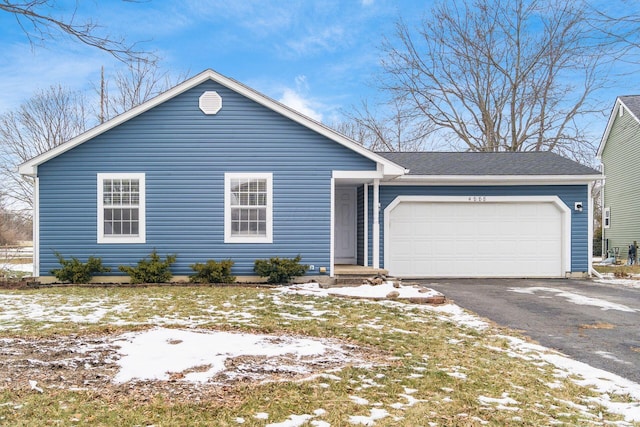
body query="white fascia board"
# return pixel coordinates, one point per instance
(362, 175)
(612, 117)
(390, 168)
(493, 180)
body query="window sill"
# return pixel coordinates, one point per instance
(122, 239)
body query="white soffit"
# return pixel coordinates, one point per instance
(210, 102)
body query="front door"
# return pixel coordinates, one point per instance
(345, 226)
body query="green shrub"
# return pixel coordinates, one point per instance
(212, 272)
(75, 271)
(152, 270)
(280, 270)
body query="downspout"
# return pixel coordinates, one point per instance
(591, 270)
(36, 225)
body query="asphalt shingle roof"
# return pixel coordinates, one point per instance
(503, 163)
(632, 102)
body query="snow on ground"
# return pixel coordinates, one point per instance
(200, 355)
(363, 291)
(603, 382)
(18, 268)
(609, 279)
(155, 354)
(575, 298)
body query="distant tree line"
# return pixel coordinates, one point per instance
(14, 227)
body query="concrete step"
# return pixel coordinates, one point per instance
(354, 279)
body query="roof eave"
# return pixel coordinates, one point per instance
(498, 179)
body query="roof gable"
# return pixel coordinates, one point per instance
(630, 104)
(386, 166)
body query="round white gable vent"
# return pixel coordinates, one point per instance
(210, 102)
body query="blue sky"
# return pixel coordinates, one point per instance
(320, 57)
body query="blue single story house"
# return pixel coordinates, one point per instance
(212, 169)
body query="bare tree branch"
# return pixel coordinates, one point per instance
(45, 121)
(393, 130)
(135, 84)
(56, 115)
(37, 21)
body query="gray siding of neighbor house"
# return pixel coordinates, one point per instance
(185, 154)
(621, 160)
(569, 194)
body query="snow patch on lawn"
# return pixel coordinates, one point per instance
(362, 291)
(198, 356)
(605, 383)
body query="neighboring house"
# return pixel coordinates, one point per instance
(619, 153)
(212, 169)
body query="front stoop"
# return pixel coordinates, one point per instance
(356, 275)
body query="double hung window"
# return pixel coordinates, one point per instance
(248, 208)
(121, 208)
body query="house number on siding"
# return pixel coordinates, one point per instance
(477, 198)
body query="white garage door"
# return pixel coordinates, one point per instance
(475, 239)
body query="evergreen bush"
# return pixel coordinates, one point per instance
(212, 272)
(280, 270)
(152, 270)
(75, 271)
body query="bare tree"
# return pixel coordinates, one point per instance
(56, 115)
(619, 21)
(138, 82)
(38, 21)
(499, 75)
(392, 128)
(14, 226)
(45, 121)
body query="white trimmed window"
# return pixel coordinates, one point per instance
(248, 207)
(121, 208)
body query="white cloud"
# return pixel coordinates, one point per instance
(295, 100)
(324, 40)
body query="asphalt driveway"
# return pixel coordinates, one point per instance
(598, 324)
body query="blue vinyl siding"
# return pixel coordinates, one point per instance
(185, 154)
(569, 194)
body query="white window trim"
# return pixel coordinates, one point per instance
(606, 218)
(141, 237)
(228, 238)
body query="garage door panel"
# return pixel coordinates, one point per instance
(450, 239)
